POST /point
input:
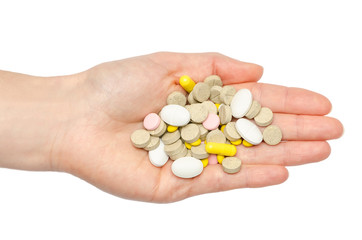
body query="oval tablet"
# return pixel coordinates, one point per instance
(241, 102)
(158, 157)
(248, 131)
(187, 167)
(175, 115)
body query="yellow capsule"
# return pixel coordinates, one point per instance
(171, 128)
(217, 105)
(220, 158)
(187, 83)
(222, 127)
(237, 142)
(220, 149)
(247, 144)
(196, 143)
(188, 145)
(205, 162)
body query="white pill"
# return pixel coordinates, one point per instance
(187, 167)
(249, 131)
(158, 157)
(175, 115)
(241, 102)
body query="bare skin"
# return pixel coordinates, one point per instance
(81, 124)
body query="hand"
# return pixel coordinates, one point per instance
(114, 98)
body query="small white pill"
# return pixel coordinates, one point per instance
(249, 131)
(187, 167)
(175, 115)
(158, 156)
(241, 102)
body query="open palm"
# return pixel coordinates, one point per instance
(116, 96)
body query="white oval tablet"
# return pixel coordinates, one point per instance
(158, 157)
(175, 115)
(249, 131)
(241, 102)
(187, 167)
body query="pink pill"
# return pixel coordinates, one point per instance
(212, 122)
(151, 121)
(212, 159)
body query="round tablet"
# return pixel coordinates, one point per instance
(212, 122)
(210, 106)
(201, 92)
(215, 136)
(227, 93)
(160, 130)
(140, 138)
(264, 117)
(190, 133)
(213, 80)
(169, 137)
(154, 143)
(254, 110)
(151, 121)
(174, 148)
(272, 135)
(231, 165)
(198, 113)
(225, 114)
(203, 132)
(230, 132)
(176, 98)
(199, 152)
(190, 98)
(215, 94)
(181, 154)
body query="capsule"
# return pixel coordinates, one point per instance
(188, 145)
(171, 128)
(205, 162)
(247, 144)
(220, 149)
(187, 83)
(220, 158)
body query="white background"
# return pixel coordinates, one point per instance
(309, 44)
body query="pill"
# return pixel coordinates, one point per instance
(158, 157)
(203, 132)
(181, 154)
(154, 143)
(272, 135)
(216, 136)
(212, 159)
(215, 94)
(217, 106)
(169, 138)
(160, 130)
(237, 142)
(230, 132)
(140, 138)
(196, 143)
(220, 158)
(201, 92)
(247, 144)
(220, 148)
(213, 80)
(212, 122)
(264, 117)
(248, 131)
(190, 98)
(190, 133)
(231, 165)
(210, 106)
(151, 121)
(199, 152)
(222, 128)
(188, 154)
(241, 103)
(171, 128)
(225, 114)
(188, 145)
(187, 83)
(205, 162)
(227, 93)
(177, 98)
(198, 113)
(187, 167)
(174, 148)
(254, 109)
(175, 115)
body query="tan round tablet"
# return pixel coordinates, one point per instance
(203, 132)
(210, 106)
(272, 135)
(231, 164)
(188, 154)
(176, 98)
(254, 110)
(190, 98)
(198, 113)
(181, 154)
(201, 92)
(215, 94)
(230, 132)
(171, 137)
(190, 133)
(215, 136)
(213, 80)
(199, 152)
(160, 130)
(154, 143)
(264, 117)
(174, 148)
(225, 114)
(140, 138)
(227, 93)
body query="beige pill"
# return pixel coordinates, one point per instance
(264, 117)
(188, 154)
(231, 164)
(190, 98)
(198, 113)
(210, 106)
(199, 152)
(173, 148)
(272, 135)
(215, 94)
(227, 93)
(230, 132)
(215, 136)
(254, 110)
(171, 137)
(190, 133)
(181, 154)
(203, 132)
(225, 114)
(160, 130)
(140, 138)
(176, 98)
(201, 92)
(213, 80)
(154, 143)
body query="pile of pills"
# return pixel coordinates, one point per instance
(207, 130)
